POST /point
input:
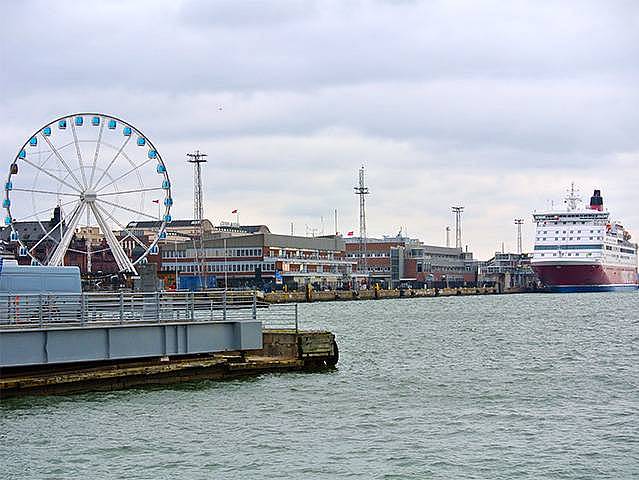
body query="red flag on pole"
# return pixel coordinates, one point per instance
(234, 211)
(156, 201)
(350, 234)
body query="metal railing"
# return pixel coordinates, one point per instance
(91, 308)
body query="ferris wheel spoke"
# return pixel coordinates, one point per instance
(97, 152)
(104, 172)
(124, 175)
(62, 181)
(46, 235)
(48, 192)
(57, 154)
(131, 191)
(126, 208)
(57, 258)
(77, 151)
(121, 258)
(119, 224)
(43, 211)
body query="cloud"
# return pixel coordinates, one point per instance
(497, 106)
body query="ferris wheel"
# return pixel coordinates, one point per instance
(89, 176)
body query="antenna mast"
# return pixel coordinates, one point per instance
(458, 229)
(447, 236)
(573, 198)
(197, 158)
(519, 222)
(362, 191)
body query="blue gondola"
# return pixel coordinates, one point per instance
(153, 154)
(6, 203)
(7, 220)
(14, 169)
(167, 218)
(62, 124)
(23, 251)
(34, 262)
(153, 250)
(14, 236)
(8, 186)
(33, 142)
(112, 124)
(162, 234)
(46, 131)
(166, 184)
(95, 121)
(161, 168)
(22, 155)
(78, 121)
(141, 141)
(127, 131)
(168, 202)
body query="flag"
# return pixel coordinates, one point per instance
(234, 211)
(350, 234)
(156, 201)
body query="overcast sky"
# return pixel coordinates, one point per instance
(493, 105)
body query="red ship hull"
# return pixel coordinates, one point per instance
(586, 277)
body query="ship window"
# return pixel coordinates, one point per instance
(576, 254)
(590, 238)
(544, 238)
(543, 254)
(554, 254)
(570, 238)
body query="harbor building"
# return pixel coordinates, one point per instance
(508, 270)
(259, 259)
(401, 261)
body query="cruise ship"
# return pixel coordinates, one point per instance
(580, 249)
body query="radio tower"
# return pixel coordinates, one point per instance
(458, 230)
(197, 158)
(519, 222)
(362, 191)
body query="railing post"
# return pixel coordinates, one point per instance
(40, 313)
(157, 306)
(254, 304)
(192, 306)
(82, 319)
(121, 307)
(296, 321)
(224, 306)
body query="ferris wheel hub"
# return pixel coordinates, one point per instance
(89, 196)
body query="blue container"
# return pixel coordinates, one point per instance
(95, 121)
(153, 154)
(22, 154)
(6, 203)
(46, 131)
(8, 186)
(33, 142)
(112, 124)
(62, 124)
(161, 169)
(78, 121)
(127, 131)
(194, 282)
(168, 202)
(141, 141)
(166, 184)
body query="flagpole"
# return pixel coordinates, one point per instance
(237, 218)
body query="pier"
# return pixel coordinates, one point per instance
(66, 343)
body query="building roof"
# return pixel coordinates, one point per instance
(174, 224)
